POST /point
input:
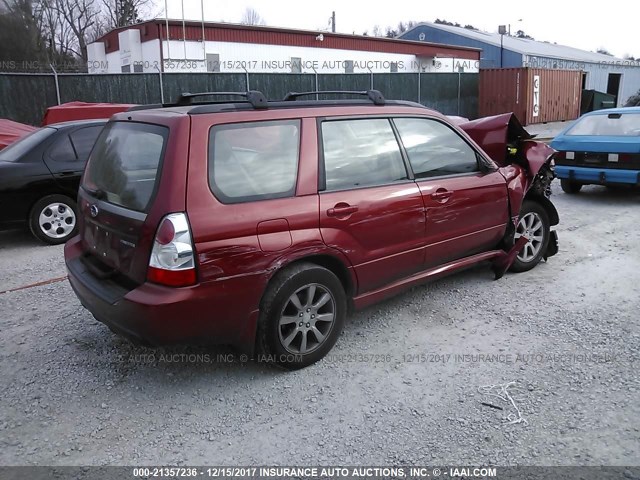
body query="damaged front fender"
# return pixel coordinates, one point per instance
(525, 164)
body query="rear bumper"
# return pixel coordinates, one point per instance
(203, 314)
(597, 175)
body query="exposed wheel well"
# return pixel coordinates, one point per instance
(554, 218)
(334, 265)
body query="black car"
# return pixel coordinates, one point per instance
(40, 175)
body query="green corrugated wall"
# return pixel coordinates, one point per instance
(25, 97)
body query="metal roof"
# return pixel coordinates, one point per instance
(525, 46)
(231, 32)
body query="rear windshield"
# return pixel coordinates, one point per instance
(21, 146)
(614, 124)
(125, 162)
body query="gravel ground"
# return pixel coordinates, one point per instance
(567, 333)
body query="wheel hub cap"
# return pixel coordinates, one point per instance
(57, 220)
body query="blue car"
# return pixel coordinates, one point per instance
(601, 147)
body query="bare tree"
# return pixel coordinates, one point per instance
(377, 31)
(252, 17)
(80, 17)
(58, 36)
(120, 13)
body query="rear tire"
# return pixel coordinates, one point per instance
(534, 224)
(569, 186)
(54, 219)
(301, 316)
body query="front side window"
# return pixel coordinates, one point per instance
(434, 149)
(361, 153)
(22, 146)
(254, 161)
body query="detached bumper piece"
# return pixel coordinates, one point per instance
(502, 263)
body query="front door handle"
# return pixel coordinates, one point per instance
(441, 195)
(342, 210)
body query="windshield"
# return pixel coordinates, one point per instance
(123, 166)
(23, 145)
(614, 124)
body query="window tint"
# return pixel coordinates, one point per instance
(254, 161)
(62, 150)
(434, 149)
(83, 140)
(360, 153)
(23, 145)
(615, 124)
(124, 165)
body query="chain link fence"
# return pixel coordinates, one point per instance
(24, 97)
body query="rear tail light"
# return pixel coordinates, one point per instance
(172, 261)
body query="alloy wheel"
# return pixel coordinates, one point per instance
(532, 227)
(306, 319)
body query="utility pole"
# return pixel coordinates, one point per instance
(333, 21)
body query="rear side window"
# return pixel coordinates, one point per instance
(62, 150)
(83, 140)
(361, 153)
(434, 149)
(254, 161)
(125, 164)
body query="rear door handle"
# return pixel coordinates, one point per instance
(342, 210)
(67, 173)
(441, 195)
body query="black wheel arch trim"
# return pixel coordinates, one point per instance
(554, 217)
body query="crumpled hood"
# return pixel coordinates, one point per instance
(494, 133)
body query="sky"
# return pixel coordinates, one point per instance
(612, 25)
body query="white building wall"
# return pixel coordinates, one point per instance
(151, 61)
(233, 57)
(113, 62)
(236, 57)
(130, 50)
(97, 58)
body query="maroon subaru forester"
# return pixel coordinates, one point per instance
(261, 224)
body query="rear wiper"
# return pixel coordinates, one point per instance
(98, 193)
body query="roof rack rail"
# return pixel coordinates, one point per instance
(374, 95)
(254, 97)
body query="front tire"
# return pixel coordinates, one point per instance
(534, 224)
(54, 219)
(301, 316)
(569, 186)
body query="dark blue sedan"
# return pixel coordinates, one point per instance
(602, 148)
